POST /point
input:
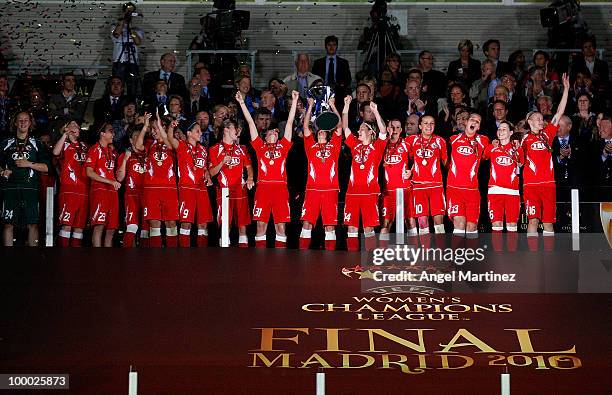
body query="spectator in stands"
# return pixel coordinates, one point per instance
(434, 79)
(411, 101)
(597, 68)
(126, 39)
(279, 90)
(545, 106)
(158, 101)
(67, 105)
(542, 59)
(483, 89)
(466, 69)
(584, 121)
(202, 118)
(393, 64)
(6, 107)
(500, 113)
(517, 66)
(40, 111)
(174, 80)
(268, 101)
(492, 49)
(565, 154)
(302, 79)
(362, 95)
(412, 125)
(195, 101)
(602, 153)
(22, 159)
(243, 84)
(121, 126)
(388, 95)
(334, 69)
(536, 87)
(517, 102)
(208, 93)
(175, 109)
(108, 107)
(457, 97)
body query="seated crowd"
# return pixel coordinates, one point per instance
(470, 145)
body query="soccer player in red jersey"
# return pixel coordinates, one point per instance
(429, 154)
(132, 168)
(506, 157)
(194, 177)
(160, 200)
(272, 195)
(74, 185)
(227, 161)
(363, 189)
(397, 176)
(321, 197)
(462, 182)
(538, 173)
(104, 199)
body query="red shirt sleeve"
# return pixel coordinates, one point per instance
(550, 131)
(443, 150)
(487, 152)
(351, 141)
(213, 156)
(91, 157)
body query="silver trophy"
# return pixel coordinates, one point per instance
(322, 114)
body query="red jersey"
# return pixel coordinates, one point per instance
(135, 170)
(230, 175)
(192, 163)
(160, 166)
(466, 153)
(395, 165)
(271, 160)
(102, 160)
(538, 167)
(364, 167)
(322, 163)
(504, 179)
(428, 155)
(72, 171)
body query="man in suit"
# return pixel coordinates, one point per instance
(601, 153)
(492, 49)
(334, 69)
(517, 102)
(108, 108)
(208, 92)
(174, 81)
(565, 156)
(194, 103)
(159, 98)
(302, 78)
(597, 68)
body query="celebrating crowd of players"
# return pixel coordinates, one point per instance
(165, 174)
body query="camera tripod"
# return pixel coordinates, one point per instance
(128, 70)
(381, 45)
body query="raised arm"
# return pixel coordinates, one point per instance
(57, 148)
(247, 116)
(345, 112)
(120, 174)
(295, 96)
(306, 125)
(382, 128)
(172, 141)
(563, 102)
(139, 144)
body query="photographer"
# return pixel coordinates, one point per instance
(126, 39)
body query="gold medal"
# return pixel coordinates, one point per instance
(362, 167)
(159, 163)
(424, 162)
(271, 162)
(322, 160)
